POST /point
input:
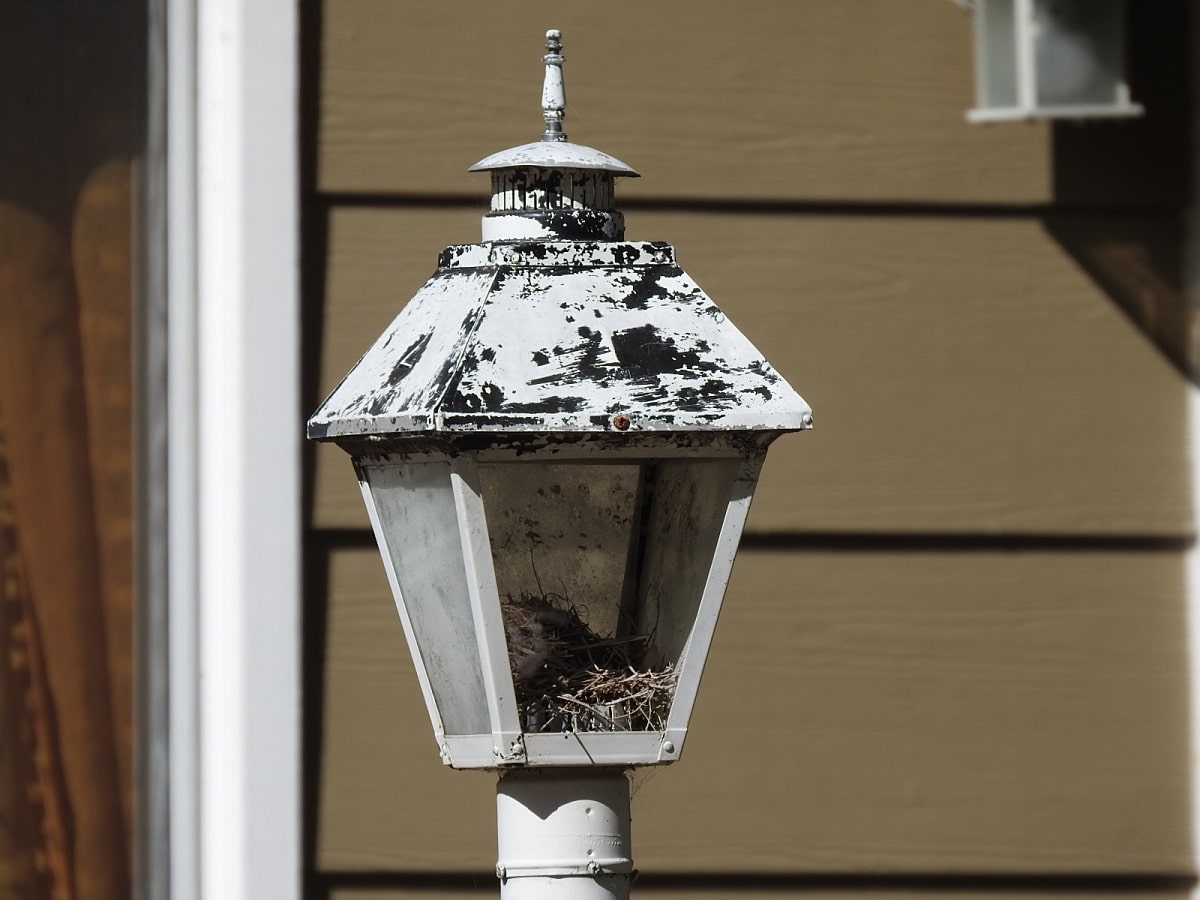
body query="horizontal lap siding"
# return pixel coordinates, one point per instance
(764, 100)
(971, 712)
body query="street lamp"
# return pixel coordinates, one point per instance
(557, 441)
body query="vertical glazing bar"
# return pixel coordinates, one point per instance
(485, 607)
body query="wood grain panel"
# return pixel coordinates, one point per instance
(966, 374)
(766, 99)
(41, 391)
(36, 810)
(102, 254)
(867, 712)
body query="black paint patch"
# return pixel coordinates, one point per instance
(451, 257)
(763, 370)
(451, 373)
(713, 393)
(479, 407)
(642, 289)
(715, 387)
(492, 396)
(409, 358)
(652, 396)
(548, 405)
(626, 255)
(380, 402)
(646, 351)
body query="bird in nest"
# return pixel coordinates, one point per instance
(535, 631)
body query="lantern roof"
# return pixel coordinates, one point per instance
(556, 324)
(560, 336)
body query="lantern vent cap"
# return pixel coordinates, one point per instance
(554, 151)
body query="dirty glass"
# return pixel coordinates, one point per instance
(600, 569)
(414, 504)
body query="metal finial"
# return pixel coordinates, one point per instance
(554, 95)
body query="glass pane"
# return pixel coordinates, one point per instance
(690, 500)
(1077, 51)
(600, 570)
(564, 532)
(566, 544)
(74, 237)
(996, 54)
(415, 505)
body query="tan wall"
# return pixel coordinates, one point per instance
(955, 647)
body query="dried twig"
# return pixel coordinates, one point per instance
(568, 678)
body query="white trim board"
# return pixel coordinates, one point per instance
(220, 556)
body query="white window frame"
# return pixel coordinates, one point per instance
(219, 456)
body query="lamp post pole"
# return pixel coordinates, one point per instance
(563, 834)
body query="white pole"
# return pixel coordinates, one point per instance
(247, 517)
(563, 834)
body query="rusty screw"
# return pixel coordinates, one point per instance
(621, 422)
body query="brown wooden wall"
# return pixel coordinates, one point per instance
(953, 655)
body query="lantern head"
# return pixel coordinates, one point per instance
(557, 441)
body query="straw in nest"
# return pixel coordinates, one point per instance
(568, 678)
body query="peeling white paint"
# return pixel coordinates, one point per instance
(560, 336)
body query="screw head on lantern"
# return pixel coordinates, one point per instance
(557, 440)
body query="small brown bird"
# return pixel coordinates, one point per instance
(534, 638)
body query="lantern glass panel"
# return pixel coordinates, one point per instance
(600, 570)
(566, 534)
(418, 525)
(684, 522)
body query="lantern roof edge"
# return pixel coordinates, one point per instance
(554, 155)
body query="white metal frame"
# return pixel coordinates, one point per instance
(219, 776)
(505, 744)
(489, 628)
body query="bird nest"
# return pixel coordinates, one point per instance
(570, 679)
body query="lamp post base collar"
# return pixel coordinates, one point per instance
(564, 834)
